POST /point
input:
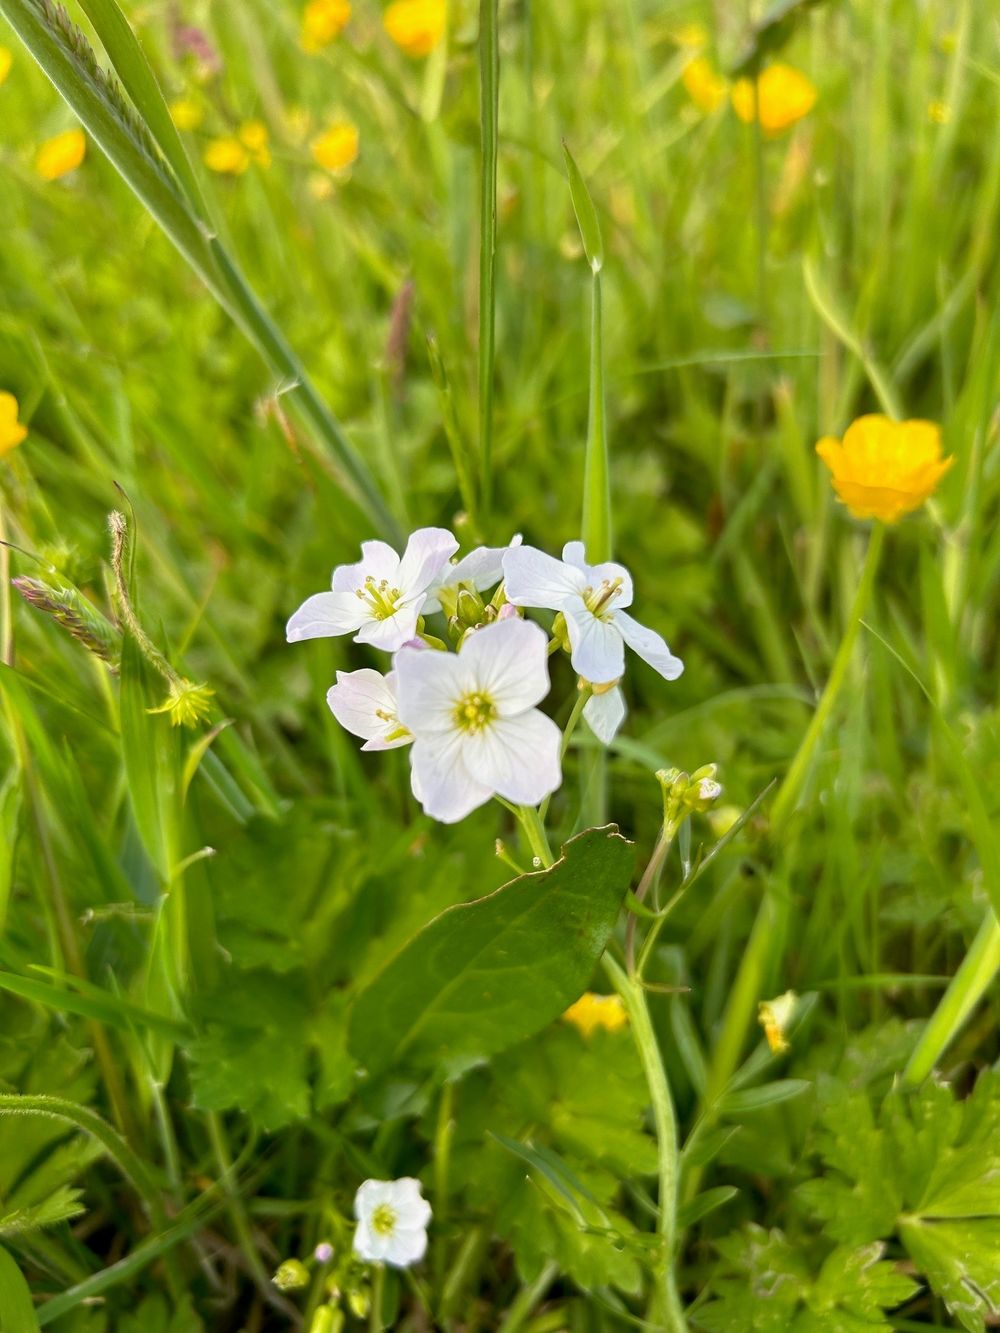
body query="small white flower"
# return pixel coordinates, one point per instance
(364, 703)
(473, 716)
(479, 570)
(381, 596)
(592, 598)
(605, 712)
(392, 1222)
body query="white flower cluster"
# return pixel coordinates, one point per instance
(472, 716)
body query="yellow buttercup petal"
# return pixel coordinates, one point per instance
(61, 155)
(336, 147)
(706, 88)
(227, 156)
(6, 60)
(416, 26)
(322, 22)
(596, 1011)
(12, 432)
(784, 95)
(885, 469)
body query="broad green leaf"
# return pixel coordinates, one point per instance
(961, 1261)
(586, 214)
(17, 1311)
(487, 974)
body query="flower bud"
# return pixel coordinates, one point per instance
(560, 633)
(323, 1252)
(360, 1301)
(469, 608)
(775, 1017)
(291, 1276)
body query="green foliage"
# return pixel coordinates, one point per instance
(488, 974)
(17, 1313)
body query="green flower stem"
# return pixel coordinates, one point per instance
(668, 831)
(967, 988)
(489, 103)
(579, 704)
(666, 1311)
(375, 1324)
(794, 781)
(534, 831)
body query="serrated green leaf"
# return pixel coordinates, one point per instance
(961, 1261)
(485, 975)
(17, 1312)
(586, 214)
(58, 1207)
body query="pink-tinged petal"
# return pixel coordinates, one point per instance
(377, 559)
(390, 634)
(649, 645)
(607, 572)
(325, 615)
(532, 578)
(516, 757)
(508, 662)
(598, 653)
(427, 553)
(429, 685)
(605, 713)
(440, 780)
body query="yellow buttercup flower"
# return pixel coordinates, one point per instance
(884, 469)
(254, 136)
(322, 22)
(596, 1011)
(416, 26)
(691, 35)
(336, 147)
(61, 155)
(186, 114)
(938, 112)
(227, 156)
(11, 430)
(706, 89)
(6, 60)
(775, 1017)
(784, 95)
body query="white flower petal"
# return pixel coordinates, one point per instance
(440, 780)
(390, 634)
(406, 1246)
(411, 1207)
(605, 713)
(427, 553)
(326, 614)
(358, 699)
(508, 662)
(516, 757)
(370, 1194)
(378, 560)
(607, 572)
(429, 685)
(598, 652)
(574, 553)
(532, 578)
(649, 645)
(369, 1245)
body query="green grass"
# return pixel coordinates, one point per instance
(197, 1003)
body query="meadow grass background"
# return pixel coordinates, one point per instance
(726, 359)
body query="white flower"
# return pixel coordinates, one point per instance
(605, 712)
(473, 716)
(592, 598)
(392, 1222)
(381, 596)
(479, 570)
(364, 703)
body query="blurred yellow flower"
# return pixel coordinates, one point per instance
(6, 60)
(775, 1017)
(938, 112)
(784, 94)
(322, 22)
(227, 156)
(232, 154)
(61, 155)
(416, 26)
(596, 1011)
(692, 35)
(186, 114)
(336, 147)
(706, 89)
(11, 430)
(884, 469)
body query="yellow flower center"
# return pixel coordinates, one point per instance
(475, 712)
(384, 1220)
(598, 599)
(382, 600)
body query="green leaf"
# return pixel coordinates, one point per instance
(703, 1204)
(961, 1261)
(58, 1207)
(586, 214)
(17, 1312)
(254, 1048)
(93, 1003)
(758, 1099)
(487, 974)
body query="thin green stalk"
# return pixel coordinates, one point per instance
(579, 704)
(666, 1311)
(489, 102)
(791, 787)
(968, 986)
(527, 1299)
(596, 474)
(237, 1213)
(534, 831)
(375, 1324)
